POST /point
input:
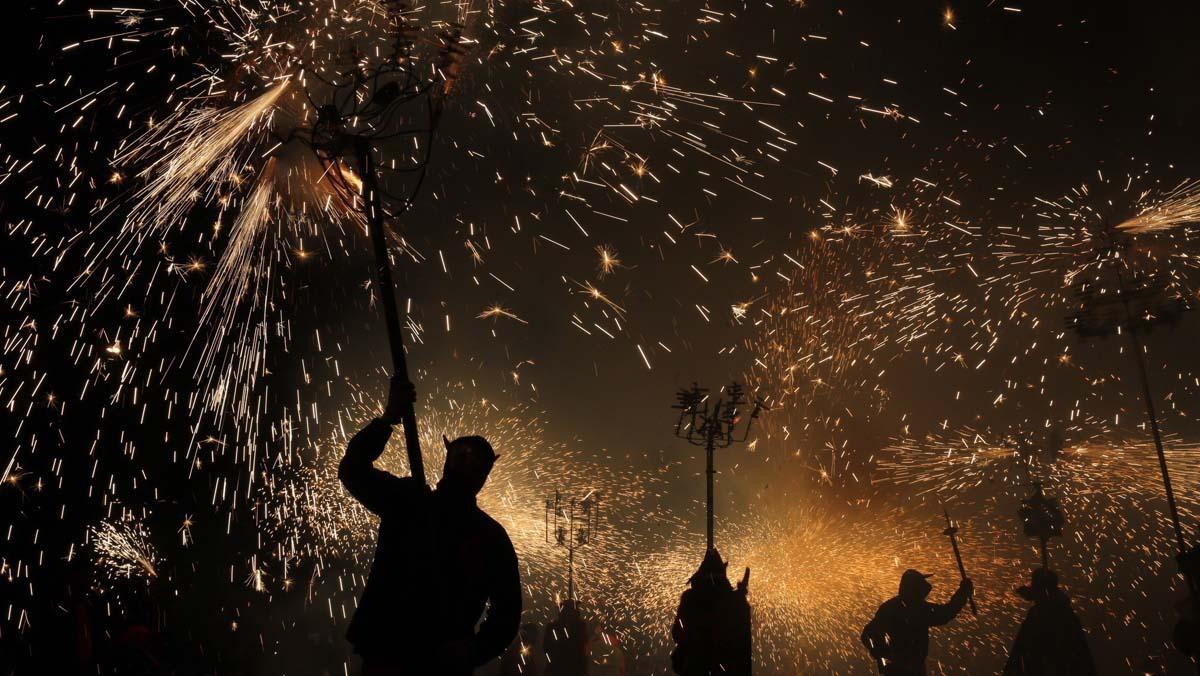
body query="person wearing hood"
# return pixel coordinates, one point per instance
(439, 561)
(898, 636)
(1051, 640)
(712, 626)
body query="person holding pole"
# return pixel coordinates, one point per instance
(438, 562)
(898, 636)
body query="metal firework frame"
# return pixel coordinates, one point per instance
(713, 424)
(576, 524)
(368, 105)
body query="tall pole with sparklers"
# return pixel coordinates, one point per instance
(575, 523)
(365, 110)
(713, 423)
(1041, 518)
(1140, 301)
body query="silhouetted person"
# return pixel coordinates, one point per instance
(438, 562)
(521, 658)
(712, 625)
(898, 636)
(1051, 641)
(566, 643)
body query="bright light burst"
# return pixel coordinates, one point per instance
(123, 550)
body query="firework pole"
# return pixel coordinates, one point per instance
(575, 531)
(363, 113)
(952, 532)
(1156, 306)
(713, 428)
(1092, 319)
(1095, 318)
(1041, 518)
(1148, 398)
(401, 400)
(709, 471)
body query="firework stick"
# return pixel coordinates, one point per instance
(402, 411)
(952, 532)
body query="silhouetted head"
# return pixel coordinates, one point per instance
(468, 462)
(711, 570)
(913, 586)
(1043, 584)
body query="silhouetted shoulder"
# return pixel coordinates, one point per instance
(495, 531)
(891, 605)
(491, 524)
(688, 597)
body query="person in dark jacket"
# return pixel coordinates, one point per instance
(712, 629)
(898, 636)
(438, 562)
(1051, 641)
(565, 642)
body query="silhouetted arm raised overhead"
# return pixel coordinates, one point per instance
(503, 619)
(376, 489)
(942, 614)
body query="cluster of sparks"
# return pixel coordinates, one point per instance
(123, 550)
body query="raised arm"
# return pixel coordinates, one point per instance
(503, 619)
(376, 489)
(942, 614)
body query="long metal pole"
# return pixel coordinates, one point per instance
(710, 470)
(571, 554)
(952, 531)
(1158, 446)
(387, 295)
(1136, 345)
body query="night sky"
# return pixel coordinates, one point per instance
(876, 216)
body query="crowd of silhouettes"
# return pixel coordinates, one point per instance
(444, 597)
(1051, 640)
(441, 564)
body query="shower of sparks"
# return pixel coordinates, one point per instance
(123, 550)
(1179, 207)
(190, 321)
(312, 517)
(817, 575)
